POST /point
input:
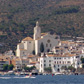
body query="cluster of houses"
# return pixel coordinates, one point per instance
(55, 54)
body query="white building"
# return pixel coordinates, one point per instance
(56, 62)
(2, 62)
(28, 44)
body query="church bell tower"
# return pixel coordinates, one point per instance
(37, 31)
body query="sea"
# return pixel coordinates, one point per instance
(43, 79)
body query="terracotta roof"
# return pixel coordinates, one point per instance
(33, 63)
(20, 43)
(42, 34)
(27, 39)
(67, 42)
(65, 55)
(31, 56)
(25, 59)
(39, 38)
(17, 59)
(54, 55)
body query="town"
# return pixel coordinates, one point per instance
(44, 53)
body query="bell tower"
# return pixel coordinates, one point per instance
(37, 31)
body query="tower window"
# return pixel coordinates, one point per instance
(46, 45)
(48, 41)
(50, 45)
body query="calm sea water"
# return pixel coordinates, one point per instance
(44, 79)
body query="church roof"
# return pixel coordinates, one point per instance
(42, 34)
(27, 39)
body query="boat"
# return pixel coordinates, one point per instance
(29, 76)
(58, 73)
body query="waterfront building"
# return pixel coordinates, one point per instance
(2, 62)
(57, 62)
(19, 62)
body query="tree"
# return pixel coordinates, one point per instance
(10, 67)
(5, 67)
(82, 60)
(71, 68)
(33, 67)
(29, 68)
(42, 47)
(48, 69)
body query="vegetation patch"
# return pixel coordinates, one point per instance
(66, 10)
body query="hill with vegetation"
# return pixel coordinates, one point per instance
(18, 17)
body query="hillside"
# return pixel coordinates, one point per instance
(18, 17)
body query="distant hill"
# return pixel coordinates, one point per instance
(18, 17)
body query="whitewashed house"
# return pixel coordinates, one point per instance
(56, 62)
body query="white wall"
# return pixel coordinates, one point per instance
(53, 42)
(58, 62)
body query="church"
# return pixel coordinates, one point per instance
(29, 45)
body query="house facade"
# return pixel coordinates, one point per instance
(57, 62)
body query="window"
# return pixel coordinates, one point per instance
(49, 64)
(44, 60)
(68, 62)
(77, 56)
(44, 64)
(78, 63)
(50, 45)
(46, 45)
(57, 50)
(29, 42)
(63, 62)
(54, 66)
(48, 41)
(41, 65)
(59, 58)
(49, 60)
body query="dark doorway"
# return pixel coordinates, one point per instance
(58, 70)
